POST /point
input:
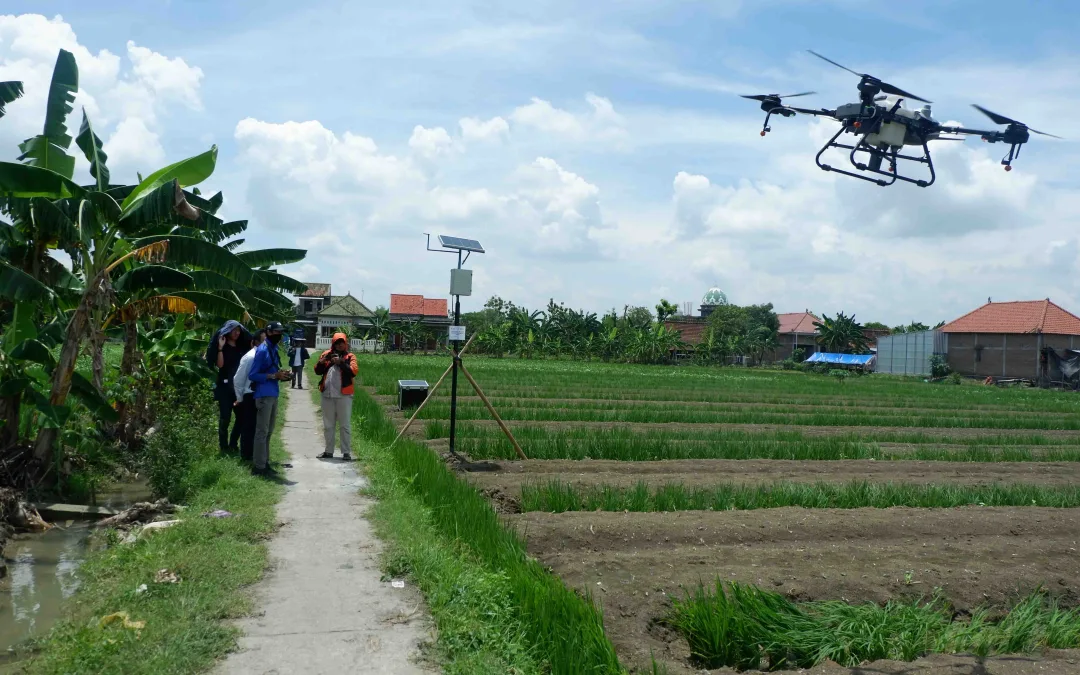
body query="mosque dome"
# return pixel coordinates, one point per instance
(714, 296)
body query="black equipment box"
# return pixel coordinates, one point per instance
(411, 393)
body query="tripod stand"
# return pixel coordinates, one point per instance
(457, 363)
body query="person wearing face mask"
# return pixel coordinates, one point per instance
(266, 372)
(338, 369)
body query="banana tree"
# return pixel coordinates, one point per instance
(9, 92)
(136, 251)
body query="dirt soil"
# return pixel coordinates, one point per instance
(631, 562)
(509, 477)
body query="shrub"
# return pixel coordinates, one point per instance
(939, 367)
(956, 378)
(187, 435)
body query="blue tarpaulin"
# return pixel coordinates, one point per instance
(841, 359)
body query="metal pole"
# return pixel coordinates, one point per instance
(453, 376)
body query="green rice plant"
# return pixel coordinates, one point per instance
(562, 626)
(744, 627)
(468, 410)
(558, 497)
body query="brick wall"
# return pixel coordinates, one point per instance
(1001, 355)
(787, 346)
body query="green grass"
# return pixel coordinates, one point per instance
(496, 609)
(217, 559)
(562, 379)
(557, 496)
(656, 444)
(744, 627)
(565, 412)
(864, 414)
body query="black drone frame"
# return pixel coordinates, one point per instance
(867, 117)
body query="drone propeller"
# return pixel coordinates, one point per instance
(766, 97)
(883, 86)
(1001, 119)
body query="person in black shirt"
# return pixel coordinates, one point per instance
(230, 343)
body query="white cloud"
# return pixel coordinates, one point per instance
(562, 206)
(171, 79)
(430, 143)
(311, 154)
(133, 144)
(601, 122)
(475, 129)
(124, 100)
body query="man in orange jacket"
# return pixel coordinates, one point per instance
(338, 369)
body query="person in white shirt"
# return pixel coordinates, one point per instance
(245, 398)
(298, 355)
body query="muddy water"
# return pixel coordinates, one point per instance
(41, 575)
(41, 570)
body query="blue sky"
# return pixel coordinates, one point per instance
(600, 152)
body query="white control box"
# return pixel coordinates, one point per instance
(460, 282)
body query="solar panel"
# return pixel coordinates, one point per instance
(460, 244)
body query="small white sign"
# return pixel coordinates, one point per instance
(457, 333)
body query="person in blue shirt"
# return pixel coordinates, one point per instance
(266, 372)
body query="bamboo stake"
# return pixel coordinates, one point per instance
(420, 407)
(430, 395)
(491, 409)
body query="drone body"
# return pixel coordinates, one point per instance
(883, 128)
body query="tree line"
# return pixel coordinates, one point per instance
(148, 264)
(640, 335)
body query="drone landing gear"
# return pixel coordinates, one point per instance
(876, 157)
(1014, 152)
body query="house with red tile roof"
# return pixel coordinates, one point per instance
(1006, 339)
(431, 312)
(797, 331)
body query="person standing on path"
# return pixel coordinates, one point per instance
(226, 348)
(245, 398)
(298, 356)
(338, 369)
(266, 373)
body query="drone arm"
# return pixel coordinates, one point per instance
(989, 135)
(820, 112)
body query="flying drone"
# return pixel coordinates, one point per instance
(883, 129)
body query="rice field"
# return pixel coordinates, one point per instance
(876, 518)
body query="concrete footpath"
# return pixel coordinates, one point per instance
(322, 607)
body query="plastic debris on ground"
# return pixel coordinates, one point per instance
(166, 576)
(123, 617)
